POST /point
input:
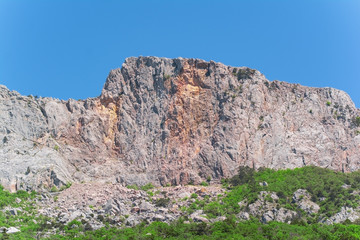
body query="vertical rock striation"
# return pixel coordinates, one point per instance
(175, 121)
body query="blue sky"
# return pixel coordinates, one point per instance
(65, 49)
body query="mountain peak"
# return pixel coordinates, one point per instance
(175, 121)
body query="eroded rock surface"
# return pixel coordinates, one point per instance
(346, 213)
(174, 121)
(100, 203)
(266, 208)
(302, 199)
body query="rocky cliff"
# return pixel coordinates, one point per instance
(174, 121)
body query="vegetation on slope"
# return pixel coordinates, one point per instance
(229, 229)
(19, 210)
(330, 190)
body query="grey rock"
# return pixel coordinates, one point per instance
(259, 202)
(63, 218)
(243, 216)
(267, 217)
(73, 203)
(13, 211)
(184, 195)
(264, 184)
(300, 195)
(170, 217)
(279, 215)
(11, 230)
(174, 121)
(97, 225)
(242, 203)
(218, 219)
(195, 214)
(284, 215)
(159, 217)
(302, 198)
(267, 211)
(162, 210)
(76, 215)
(344, 214)
(146, 206)
(260, 206)
(132, 221)
(111, 206)
(200, 219)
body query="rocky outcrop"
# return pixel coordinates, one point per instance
(302, 199)
(266, 208)
(174, 121)
(98, 204)
(346, 213)
(9, 230)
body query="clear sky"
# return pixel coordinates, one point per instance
(65, 49)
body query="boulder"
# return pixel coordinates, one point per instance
(346, 213)
(11, 230)
(302, 199)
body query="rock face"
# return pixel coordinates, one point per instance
(94, 202)
(302, 199)
(174, 121)
(346, 213)
(267, 209)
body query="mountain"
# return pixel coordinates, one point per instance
(174, 121)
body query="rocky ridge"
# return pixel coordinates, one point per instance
(120, 206)
(98, 204)
(174, 121)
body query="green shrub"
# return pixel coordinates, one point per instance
(167, 76)
(63, 187)
(245, 175)
(205, 184)
(245, 73)
(356, 121)
(147, 187)
(194, 195)
(213, 209)
(133, 186)
(162, 202)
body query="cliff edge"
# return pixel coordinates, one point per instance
(174, 121)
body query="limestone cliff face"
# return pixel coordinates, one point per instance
(175, 121)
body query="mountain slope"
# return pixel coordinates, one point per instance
(175, 121)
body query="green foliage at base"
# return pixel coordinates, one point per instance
(7, 198)
(147, 187)
(25, 219)
(228, 229)
(331, 190)
(325, 187)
